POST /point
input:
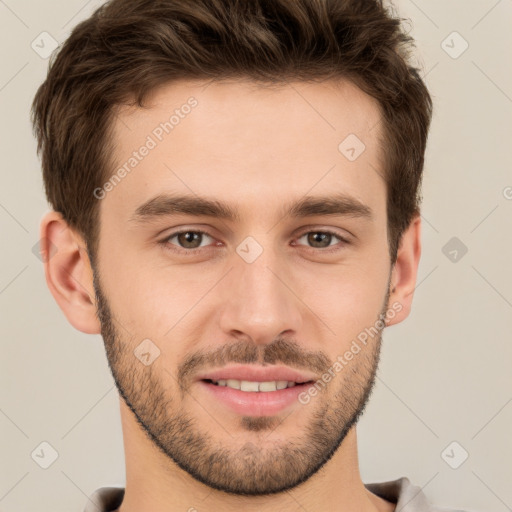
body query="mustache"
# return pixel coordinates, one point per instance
(283, 351)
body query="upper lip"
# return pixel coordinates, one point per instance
(257, 374)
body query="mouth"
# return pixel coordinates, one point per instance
(254, 390)
(257, 377)
(256, 386)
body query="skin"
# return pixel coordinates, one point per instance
(256, 149)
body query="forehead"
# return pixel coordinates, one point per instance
(241, 141)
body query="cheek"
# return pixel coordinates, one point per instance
(347, 300)
(158, 302)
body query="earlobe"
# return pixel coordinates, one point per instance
(68, 272)
(405, 269)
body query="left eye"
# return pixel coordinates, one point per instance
(321, 239)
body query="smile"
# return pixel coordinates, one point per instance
(253, 386)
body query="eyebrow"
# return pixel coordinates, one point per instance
(165, 205)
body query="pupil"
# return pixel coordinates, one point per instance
(188, 238)
(318, 238)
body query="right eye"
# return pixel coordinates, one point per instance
(189, 240)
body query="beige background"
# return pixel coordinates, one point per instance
(445, 373)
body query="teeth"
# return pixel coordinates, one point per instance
(232, 383)
(251, 386)
(267, 386)
(246, 385)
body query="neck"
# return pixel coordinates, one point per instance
(155, 483)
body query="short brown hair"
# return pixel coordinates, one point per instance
(128, 48)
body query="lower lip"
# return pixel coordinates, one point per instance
(255, 403)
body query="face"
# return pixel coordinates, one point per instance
(268, 264)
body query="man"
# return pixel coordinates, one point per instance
(235, 194)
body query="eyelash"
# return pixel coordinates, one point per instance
(180, 250)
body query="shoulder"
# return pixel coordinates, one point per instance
(105, 499)
(407, 496)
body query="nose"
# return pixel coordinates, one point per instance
(259, 299)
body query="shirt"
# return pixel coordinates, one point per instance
(408, 497)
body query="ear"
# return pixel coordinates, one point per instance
(68, 272)
(405, 269)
